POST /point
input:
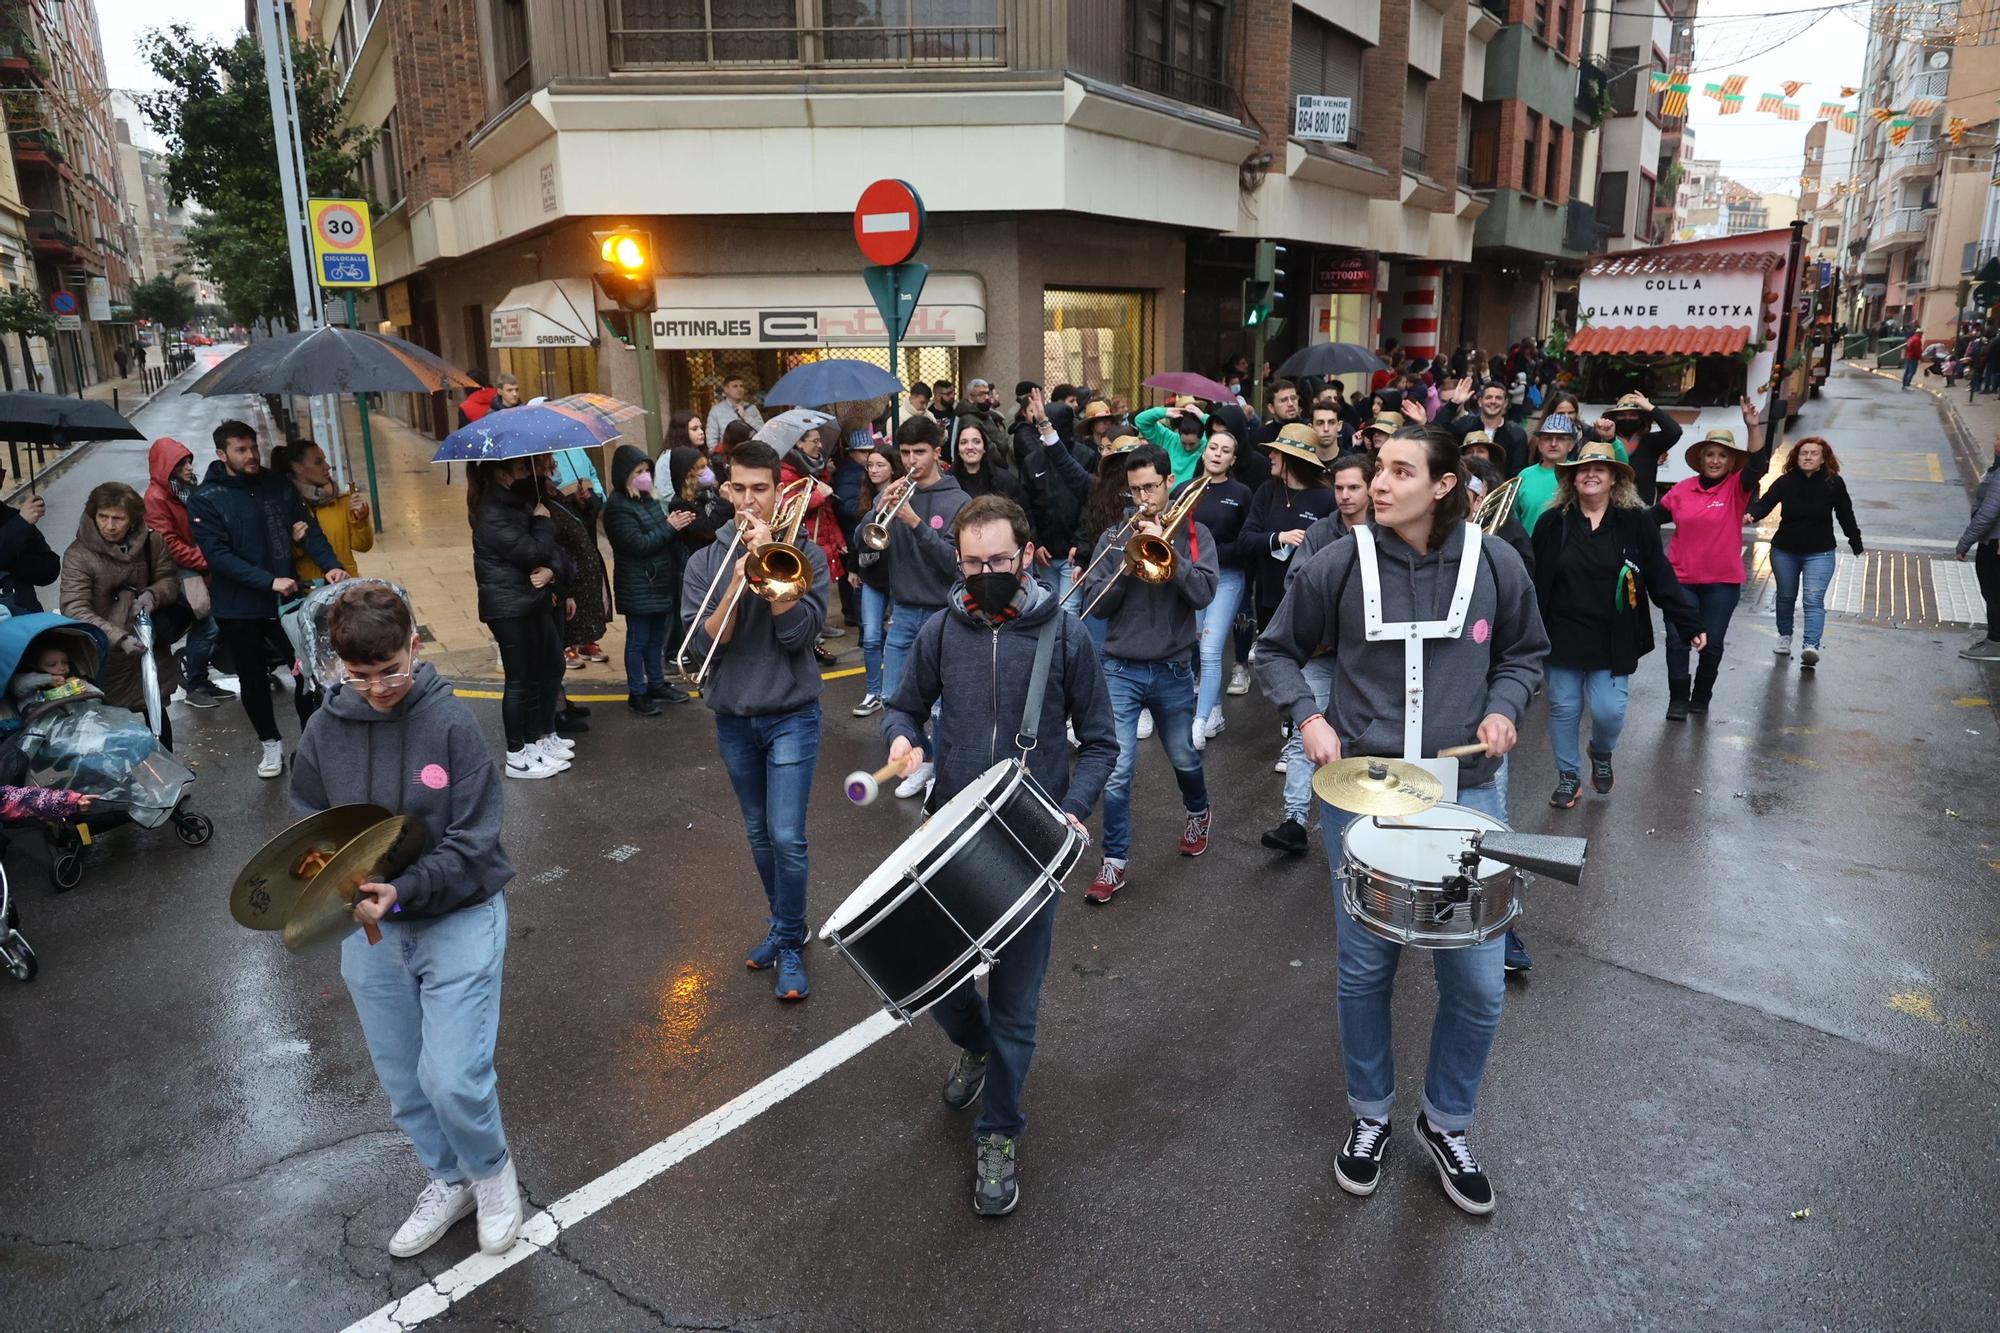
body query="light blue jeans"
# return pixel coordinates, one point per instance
(428, 997)
(1569, 691)
(1471, 986)
(1168, 689)
(1299, 769)
(874, 628)
(1216, 619)
(771, 758)
(1816, 572)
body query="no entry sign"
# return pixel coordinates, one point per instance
(889, 222)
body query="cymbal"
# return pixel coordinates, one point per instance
(1367, 786)
(269, 886)
(325, 911)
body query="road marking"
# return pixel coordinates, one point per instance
(1937, 468)
(465, 692)
(543, 1229)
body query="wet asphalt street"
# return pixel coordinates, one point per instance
(1750, 1083)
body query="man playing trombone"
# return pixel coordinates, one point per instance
(923, 562)
(755, 606)
(1148, 579)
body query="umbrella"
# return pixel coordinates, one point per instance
(596, 407)
(834, 380)
(331, 360)
(1324, 359)
(51, 418)
(149, 670)
(1196, 386)
(782, 431)
(523, 432)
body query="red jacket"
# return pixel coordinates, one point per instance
(166, 513)
(822, 526)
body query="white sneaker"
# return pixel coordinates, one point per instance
(1810, 658)
(527, 762)
(555, 758)
(561, 745)
(272, 763)
(919, 780)
(500, 1210)
(1239, 680)
(1281, 766)
(1145, 723)
(441, 1204)
(1784, 648)
(870, 705)
(1199, 735)
(1215, 724)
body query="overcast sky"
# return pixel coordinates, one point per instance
(120, 23)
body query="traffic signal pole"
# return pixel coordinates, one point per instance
(649, 380)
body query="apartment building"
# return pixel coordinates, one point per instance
(1635, 154)
(1825, 177)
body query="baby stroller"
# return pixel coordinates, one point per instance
(83, 744)
(304, 623)
(16, 957)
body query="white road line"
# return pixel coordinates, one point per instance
(542, 1230)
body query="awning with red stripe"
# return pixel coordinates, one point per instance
(1659, 340)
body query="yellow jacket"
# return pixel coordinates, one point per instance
(344, 533)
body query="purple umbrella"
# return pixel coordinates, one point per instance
(1195, 386)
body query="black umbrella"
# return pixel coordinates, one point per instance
(1322, 360)
(331, 360)
(51, 418)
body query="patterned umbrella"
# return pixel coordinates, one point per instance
(523, 432)
(782, 431)
(596, 407)
(331, 360)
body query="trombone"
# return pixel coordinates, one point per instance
(1497, 505)
(776, 570)
(874, 534)
(1148, 557)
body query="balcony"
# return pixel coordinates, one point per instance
(52, 237)
(649, 34)
(1913, 156)
(1416, 162)
(1896, 228)
(1181, 85)
(1976, 254)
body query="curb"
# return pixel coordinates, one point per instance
(78, 452)
(1957, 430)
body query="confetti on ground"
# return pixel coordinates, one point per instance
(1801, 1214)
(624, 851)
(1917, 1004)
(1951, 814)
(1297, 963)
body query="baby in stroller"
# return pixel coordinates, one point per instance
(57, 730)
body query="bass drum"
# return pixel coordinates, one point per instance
(936, 914)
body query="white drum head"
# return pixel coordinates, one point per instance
(1422, 848)
(953, 819)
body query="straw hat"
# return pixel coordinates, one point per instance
(1125, 444)
(1387, 422)
(1599, 451)
(1096, 408)
(1478, 437)
(1298, 441)
(1628, 403)
(1723, 436)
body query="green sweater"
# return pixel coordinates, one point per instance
(1537, 493)
(1155, 426)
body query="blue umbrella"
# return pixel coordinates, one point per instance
(523, 432)
(835, 380)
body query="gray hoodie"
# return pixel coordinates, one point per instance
(1493, 667)
(923, 560)
(980, 674)
(424, 757)
(767, 666)
(1156, 622)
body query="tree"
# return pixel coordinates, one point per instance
(23, 314)
(215, 116)
(164, 301)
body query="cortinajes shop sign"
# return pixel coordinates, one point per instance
(810, 310)
(1671, 298)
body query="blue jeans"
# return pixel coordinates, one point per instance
(1471, 985)
(200, 646)
(1168, 689)
(770, 758)
(1001, 1023)
(1216, 620)
(1569, 689)
(1817, 568)
(874, 629)
(1714, 604)
(1298, 768)
(428, 997)
(645, 647)
(1909, 370)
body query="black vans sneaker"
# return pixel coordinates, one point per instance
(968, 1076)
(1358, 1165)
(1457, 1170)
(995, 1190)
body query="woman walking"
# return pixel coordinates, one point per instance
(647, 559)
(1598, 557)
(1296, 497)
(1812, 494)
(870, 576)
(1981, 540)
(514, 562)
(1707, 511)
(116, 568)
(1221, 509)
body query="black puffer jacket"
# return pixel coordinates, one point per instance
(647, 554)
(508, 543)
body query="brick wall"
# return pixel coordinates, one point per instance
(440, 92)
(1385, 72)
(1262, 69)
(1445, 98)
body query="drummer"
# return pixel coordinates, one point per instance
(975, 662)
(1475, 641)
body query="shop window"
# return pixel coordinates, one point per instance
(551, 372)
(1326, 62)
(1102, 339)
(694, 379)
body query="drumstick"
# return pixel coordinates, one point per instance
(1462, 751)
(863, 788)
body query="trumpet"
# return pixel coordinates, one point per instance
(775, 570)
(1150, 557)
(1497, 505)
(874, 534)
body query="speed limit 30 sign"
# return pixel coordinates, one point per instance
(343, 245)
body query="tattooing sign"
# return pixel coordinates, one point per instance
(1670, 299)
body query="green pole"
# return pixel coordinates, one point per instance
(895, 313)
(367, 436)
(649, 380)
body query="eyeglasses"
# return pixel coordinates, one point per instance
(999, 564)
(388, 684)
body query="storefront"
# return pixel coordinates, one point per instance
(1097, 338)
(545, 334)
(1342, 308)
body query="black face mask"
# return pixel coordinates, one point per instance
(528, 488)
(993, 593)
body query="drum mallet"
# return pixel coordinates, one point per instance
(1462, 751)
(863, 788)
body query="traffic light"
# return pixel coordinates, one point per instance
(629, 279)
(1269, 281)
(1256, 302)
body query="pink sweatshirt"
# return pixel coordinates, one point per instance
(1708, 529)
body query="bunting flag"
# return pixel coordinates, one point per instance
(1770, 101)
(1954, 128)
(1899, 130)
(1788, 111)
(1712, 90)
(1732, 103)
(1660, 79)
(1792, 86)
(1848, 122)
(1849, 92)
(1883, 115)
(1832, 110)
(1675, 103)
(1925, 106)
(1733, 85)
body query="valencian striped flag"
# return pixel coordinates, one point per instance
(1847, 123)
(1925, 106)
(1732, 103)
(1883, 115)
(1712, 90)
(1675, 103)
(1660, 79)
(1899, 130)
(1788, 111)
(1733, 85)
(1954, 128)
(1831, 110)
(1770, 101)
(1792, 86)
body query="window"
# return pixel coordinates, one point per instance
(903, 31)
(1415, 90)
(1326, 62)
(1553, 165)
(510, 48)
(1532, 137)
(1097, 337)
(1611, 201)
(1560, 38)
(1482, 157)
(1180, 49)
(1627, 73)
(390, 170)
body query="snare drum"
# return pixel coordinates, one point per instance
(936, 914)
(1405, 880)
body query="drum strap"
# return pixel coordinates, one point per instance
(1038, 683)
(1414, 632)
